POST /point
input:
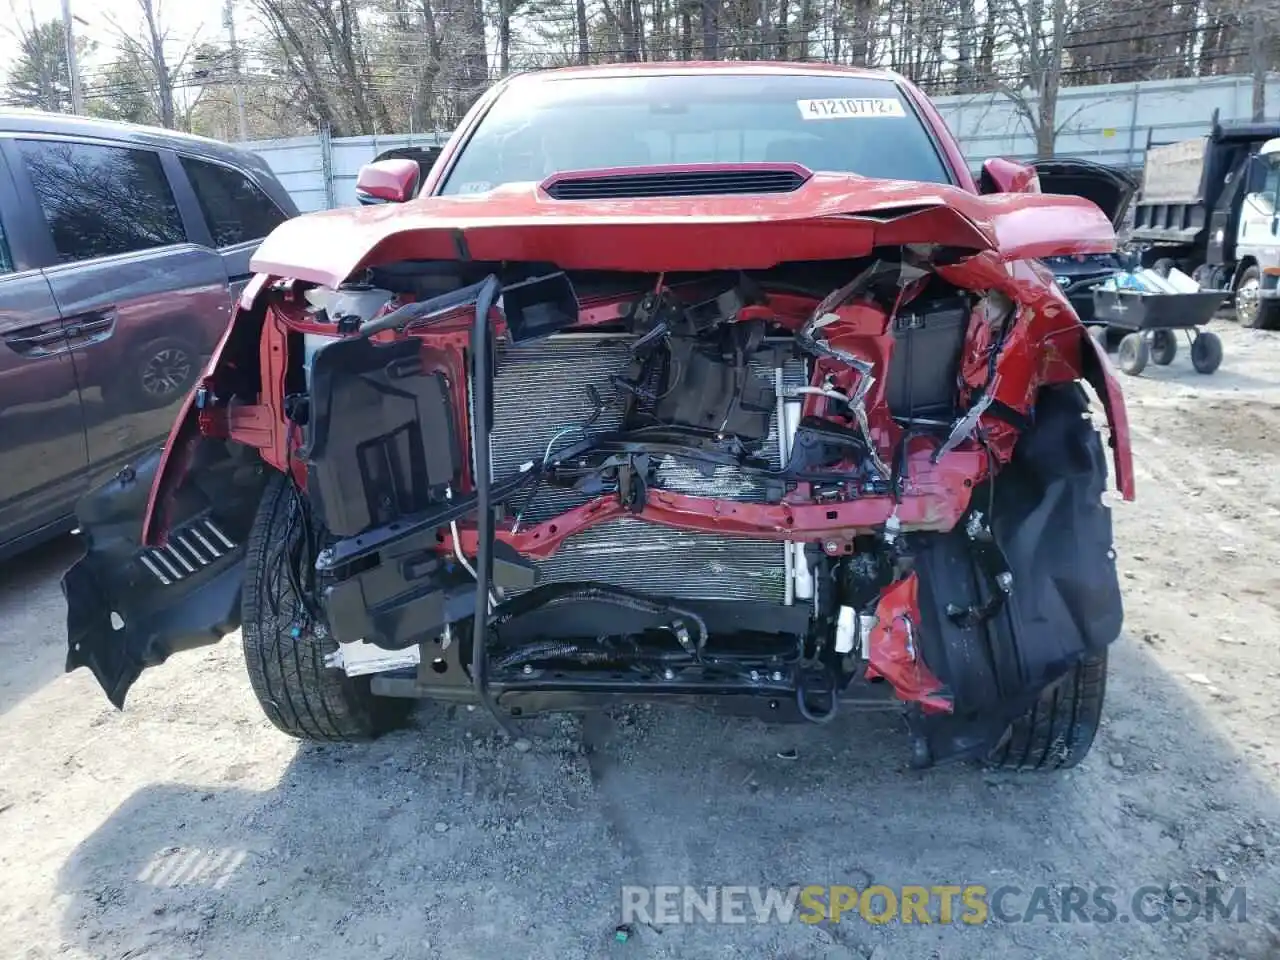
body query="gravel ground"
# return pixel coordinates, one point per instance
(187, 827)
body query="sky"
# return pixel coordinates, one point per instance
(92, 20)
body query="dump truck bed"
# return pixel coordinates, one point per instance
(1174, 173)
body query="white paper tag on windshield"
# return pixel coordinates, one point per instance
(850, 108)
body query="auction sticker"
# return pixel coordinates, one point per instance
(850, 108)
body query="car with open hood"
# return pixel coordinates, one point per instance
(1112, 190)
(715, 384)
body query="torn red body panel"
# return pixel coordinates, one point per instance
(894, 654)
(1102, 377)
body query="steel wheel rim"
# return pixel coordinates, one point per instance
(166, 372)
(1247, 300)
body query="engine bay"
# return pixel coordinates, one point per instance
(713, 389)
(693, 379)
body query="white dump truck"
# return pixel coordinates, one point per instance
(1209, 207)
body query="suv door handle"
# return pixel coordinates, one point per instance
(86, 329)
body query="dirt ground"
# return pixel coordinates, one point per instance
(187, 827)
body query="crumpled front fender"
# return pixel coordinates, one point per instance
(1099, 374)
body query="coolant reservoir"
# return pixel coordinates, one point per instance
(358, 301)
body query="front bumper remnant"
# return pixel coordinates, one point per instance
(129, 607)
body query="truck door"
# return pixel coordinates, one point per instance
(1258, 214)
(142, 305)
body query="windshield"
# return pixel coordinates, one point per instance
(838, 124)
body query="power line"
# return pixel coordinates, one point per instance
(392, 60)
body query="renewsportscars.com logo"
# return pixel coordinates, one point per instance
(972, 904)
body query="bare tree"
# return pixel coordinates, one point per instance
(373, 66)
(1258, 19)
(584, 47)
(1039, 30)
(149, 54)
(322, 48)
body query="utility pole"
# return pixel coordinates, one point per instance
(77, 96)
(229, 21)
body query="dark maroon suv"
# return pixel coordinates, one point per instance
(122, 250)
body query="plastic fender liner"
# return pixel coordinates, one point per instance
(233, 369)
(380, 443)
(1053, 529)
(129, 606)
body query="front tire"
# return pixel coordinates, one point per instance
(1251, 310)
(284, 649)
(1058, 731)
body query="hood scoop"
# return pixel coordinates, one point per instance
(676, 180)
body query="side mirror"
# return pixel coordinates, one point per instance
(1007, 176)
(387, 181)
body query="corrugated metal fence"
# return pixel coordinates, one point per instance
(1109, 124)
(320, 172)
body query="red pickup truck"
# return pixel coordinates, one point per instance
(703, 383)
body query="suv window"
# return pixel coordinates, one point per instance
(234, 206)
(100, 201)
(834, 124)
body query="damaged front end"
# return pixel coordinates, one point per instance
(863, 478)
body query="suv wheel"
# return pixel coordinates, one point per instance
(157, 374)
(1058, 731)
(284, 646)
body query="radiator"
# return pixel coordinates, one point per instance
(667, 562)
(541, 389)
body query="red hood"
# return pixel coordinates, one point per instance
(829, 217)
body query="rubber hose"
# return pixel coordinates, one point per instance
(481, 384)
(818, 718)
(617, 596)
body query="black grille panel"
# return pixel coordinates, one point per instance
(673, 183)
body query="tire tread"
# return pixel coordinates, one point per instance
(298, 694)
(1058, 730)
